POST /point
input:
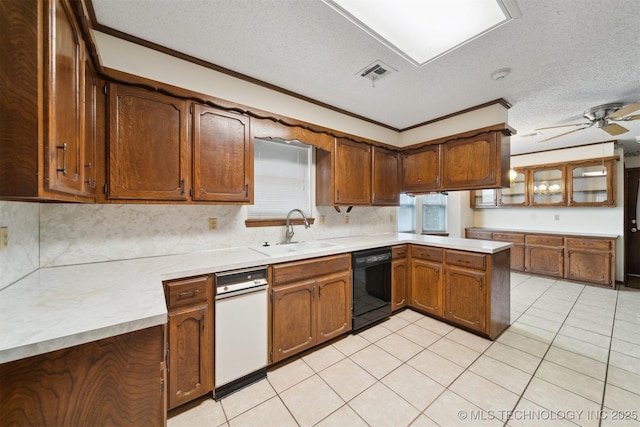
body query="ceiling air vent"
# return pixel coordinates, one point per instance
(375, 71)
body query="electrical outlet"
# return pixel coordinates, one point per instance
(321, 219)
(392, 218)
(557, 217)
(346, 219)
(213, 224)
(4, 237)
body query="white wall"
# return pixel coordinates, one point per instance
(576, 220)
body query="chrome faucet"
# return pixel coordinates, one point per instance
(288, 234)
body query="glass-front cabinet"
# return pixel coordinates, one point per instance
(516, 194)
(549, 187)
(592, 183)
(581, 183)
(484, 198)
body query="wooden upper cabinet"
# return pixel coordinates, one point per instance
(147, 145)
(549, 186)
(592, 183)
(516, 194)
(385, 186)
(421, 169)
(222, 156)
(343, 177)
(65, 101)
(42, 81)
(352, 173)
(475, 162)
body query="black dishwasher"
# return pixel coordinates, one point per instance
(371, 286)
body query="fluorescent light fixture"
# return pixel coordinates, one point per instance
(424, 30)
(595, 173)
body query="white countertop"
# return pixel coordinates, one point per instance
(60, 307)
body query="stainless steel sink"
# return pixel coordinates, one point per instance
(292, 248)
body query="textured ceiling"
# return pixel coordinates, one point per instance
(565, 56)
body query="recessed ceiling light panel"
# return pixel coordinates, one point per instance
(422, 31)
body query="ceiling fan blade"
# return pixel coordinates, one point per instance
(627, 109)
(564, 126)
(628, 118)
(615, 129)
(563, 134)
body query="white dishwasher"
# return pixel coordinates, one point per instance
(240, 329)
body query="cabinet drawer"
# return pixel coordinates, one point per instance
(465, 259)
(399, 251)
(509, 237)
(426, 253)
(301, 270)
(193, 290)
(595, 244)
(545, 240)
(478, 234)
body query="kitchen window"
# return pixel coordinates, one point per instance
(282, 179)
(427, 213)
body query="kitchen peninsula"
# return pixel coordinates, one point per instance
(60, 308)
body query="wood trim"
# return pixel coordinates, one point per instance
(275, 222)
(562, 148)
(500, 101)
(502, 127)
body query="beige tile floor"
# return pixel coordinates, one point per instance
(571, 357)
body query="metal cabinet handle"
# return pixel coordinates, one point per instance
(63, 147)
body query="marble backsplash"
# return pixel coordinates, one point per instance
(21, 256)
(75, 234)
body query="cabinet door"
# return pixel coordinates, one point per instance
(352, 173)
(589, 266)
(399, 281)
(421, 169)
(89, 152)
(592, 183)
(426, 286)
(385, 186)
(147, 145)
(294, 328)
(222, 153)
(549, 187)
(64, 101)
(486, 198)
(465, 297)
(190, 366)
(334, 306)
(544, 260)
(471, 163)
(516, 194)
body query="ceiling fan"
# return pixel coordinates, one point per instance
(603, 117)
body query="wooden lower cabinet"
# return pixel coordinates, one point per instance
(468, 289)
(190, 338)
(311, 303)
(399, 277)
(115, 381)
(587, 259)
(465, 297)
(426, 286)
(590, 260)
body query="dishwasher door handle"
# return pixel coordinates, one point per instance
(225, 295)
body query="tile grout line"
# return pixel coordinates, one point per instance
(509, 418)
(606, 372)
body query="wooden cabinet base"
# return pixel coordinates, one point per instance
(115, 381)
